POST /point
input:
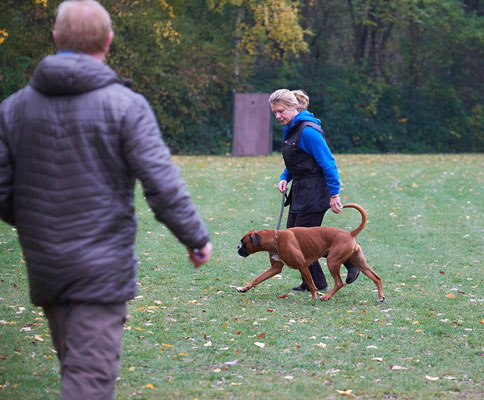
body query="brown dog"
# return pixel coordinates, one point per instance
(298, 248)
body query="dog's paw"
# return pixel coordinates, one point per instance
(381, 299)
(324, 297)
(242, 290)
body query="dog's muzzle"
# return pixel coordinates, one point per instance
(242, 250)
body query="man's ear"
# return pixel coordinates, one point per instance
(255, 239)
(54, 35)
(108, 42)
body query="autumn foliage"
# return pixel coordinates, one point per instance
(384, 76)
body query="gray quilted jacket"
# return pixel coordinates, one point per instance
(72, 144)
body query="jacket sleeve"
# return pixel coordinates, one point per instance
(6, 175)
(149, 159)
(285, 176)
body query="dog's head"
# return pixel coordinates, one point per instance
(250, 243)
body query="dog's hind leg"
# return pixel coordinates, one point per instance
(274, 269)
(359, 261)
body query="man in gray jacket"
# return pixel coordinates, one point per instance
(72, 144)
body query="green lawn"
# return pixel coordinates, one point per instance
(191, 335)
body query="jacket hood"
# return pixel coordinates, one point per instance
(305, 116)
(70, 74)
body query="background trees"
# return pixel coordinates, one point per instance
(399, 75)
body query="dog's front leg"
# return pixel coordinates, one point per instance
(309, 281)
(274, 269)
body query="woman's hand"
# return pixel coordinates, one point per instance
(282, 186)
(335, 204)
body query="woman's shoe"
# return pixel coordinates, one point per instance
(304, 288)
(301, 288)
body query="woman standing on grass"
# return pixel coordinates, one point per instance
(312, 169)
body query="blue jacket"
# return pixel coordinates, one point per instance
(314, 144)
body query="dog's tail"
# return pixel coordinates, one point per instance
(364, 218)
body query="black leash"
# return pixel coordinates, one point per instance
(279, 222)
(282, 211)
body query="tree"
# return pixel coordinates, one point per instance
(264, 29)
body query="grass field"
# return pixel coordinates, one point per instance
(191, 335)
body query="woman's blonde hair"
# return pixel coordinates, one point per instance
(290, 99)
(82, 26)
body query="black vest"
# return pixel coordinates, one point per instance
(309, 192)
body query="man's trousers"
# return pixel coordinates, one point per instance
(87, 338)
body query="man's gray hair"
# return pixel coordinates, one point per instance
(82, 26)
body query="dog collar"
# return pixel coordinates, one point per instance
(275, 242)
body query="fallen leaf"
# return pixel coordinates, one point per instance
(379, 359)
(149, 386)
(333, 371)
(261, 335)
(217, 370)
(259, 344)
(271, 310)
(322, 345)
(208, 344)
(236, 384)
(451, 295)
(233, 362)
(167, 345)
(288, 377)
(38, 338)
(432, 378)
(397, 367)
(284, 296)
(348, 392)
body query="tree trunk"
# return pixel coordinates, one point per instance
(238, 39)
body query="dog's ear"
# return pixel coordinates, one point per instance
(255, 239)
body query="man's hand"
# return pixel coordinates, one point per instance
(198, 257)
